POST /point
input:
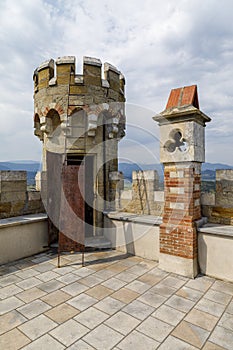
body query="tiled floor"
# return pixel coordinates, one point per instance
(114, 302)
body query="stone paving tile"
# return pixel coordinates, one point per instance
(138, 310)
(169, 315)
(56, 298)
(9, 291)
(159, 273)
(210, 306)
(13, 340)
(9, 304)
(63, 263)
(33, 309)
(29, 283)
(51, 286)
(138, 270)
(223, 287)
(189, 293)
(91, 317)
(110, 305)
(10, 320)
(6, 280)
(117, 267)
(148, 264)
(122, 322)
(114, 283)
(131, 287)
(31, 294)
(138, 286)
(28, 273)
(125, 276)
(202, 319)
(74, 288)
(69, 278)
(222, 337)
(230, 308)
(149, 278)
(40, 259)
(152, 299)
(44, 267)
(125, 295)
(200, 283)
(82, 301)
(83, 272)
(62, 313)
(103, 274)
(63, 270)
(7, 269)
(68, 332)
(138, 341)
(218, 297)
(48, 276)
(155, 328)
(37, 327)
(99, 292)
(80, 345)
(128, 262)
(211, 346)
(163, 290)
(103, 337)
(226, 321)
(173, 282)
(191, 334)
(172, 343)
(90, 281)
(45, 343)
(180, 303)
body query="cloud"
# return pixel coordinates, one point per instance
(158, 45)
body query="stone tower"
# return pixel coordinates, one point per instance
(182, 151)
(79, 119)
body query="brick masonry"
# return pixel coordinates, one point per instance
(178, 234)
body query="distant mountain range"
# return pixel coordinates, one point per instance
(208, 169)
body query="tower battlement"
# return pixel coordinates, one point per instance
(111, 80)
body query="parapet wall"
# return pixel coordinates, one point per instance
(15, 200)
(66, 91)
(44, 75)
(218, 207)
(145, 197)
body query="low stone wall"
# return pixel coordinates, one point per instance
(133, 234)
(218, 207)
(22, 236)
(141, 199)
(15, 200)
(215, 247)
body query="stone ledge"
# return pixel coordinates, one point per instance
(130, 217)
(22, 220)
(215, 229)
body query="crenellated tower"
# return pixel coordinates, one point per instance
(80, 118)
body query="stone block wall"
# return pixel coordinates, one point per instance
(142, 199)
(218, 207)
(15, 200)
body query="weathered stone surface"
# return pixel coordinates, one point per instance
(8, 175)
(13, 186)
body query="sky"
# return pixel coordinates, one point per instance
(158, 45)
